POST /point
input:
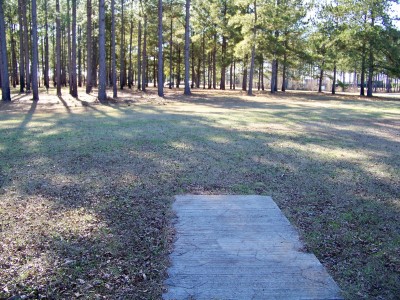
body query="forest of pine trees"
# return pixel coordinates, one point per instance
(215, 44)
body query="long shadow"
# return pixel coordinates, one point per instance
(115, 176)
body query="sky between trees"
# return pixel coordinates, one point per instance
(216, 44)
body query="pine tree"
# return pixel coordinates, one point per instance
(5, 83)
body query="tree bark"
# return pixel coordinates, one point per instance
(214, 63)
(79, 56)
(371, 62)
(160, 51)
(69, 58)
(89, 56)
(178, 77)
(74, 86)
(122, 79)
(21, 49)
(253, 52)
(102, 94)
(187, 45)
(34, 53)
(113, 60)
(321, 76)
(130, 72)
(144, 54)
(139, 58)
(334, 79)
(58, 48)
(204, 61)
(170, 53)
(244, 83)
(26, 45)
(14, 64)
(5, 83)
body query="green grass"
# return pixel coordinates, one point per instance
(85, 194)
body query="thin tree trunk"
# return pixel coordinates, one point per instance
(334, 79)
(46, 48)
(234, 75)
(244, 83)
(178, 78)
(321, 76)
(262, 73)
(26, 45)
(170, 53)
(214, 63)
(69, 58)
(113, 60)
(79, 57)
(253, 52)
(144, 53)
(139, 56)
(102, 94)
(187, 45)
(5, 83)
(74, 87)
(89, 57)
(371, 63)
(209, 73)
(230, 75)
(14, 64)
(34, 53)
(192, 65)
(21, 49)
(204, 61)
(160, 51)
(130, 72)
(122, 52)
(58, 48)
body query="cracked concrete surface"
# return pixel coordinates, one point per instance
(241, 247)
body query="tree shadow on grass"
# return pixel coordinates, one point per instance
(93, 206)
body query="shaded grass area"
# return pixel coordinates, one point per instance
(86, 192)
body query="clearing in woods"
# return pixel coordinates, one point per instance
(86, 188)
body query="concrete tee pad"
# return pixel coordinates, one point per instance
(241, 247)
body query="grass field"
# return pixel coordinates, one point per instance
(86, 188)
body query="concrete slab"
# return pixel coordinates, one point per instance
(241, 247)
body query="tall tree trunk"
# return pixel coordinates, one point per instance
(113, 59)
(192, 66)
(21, 49)
(14, 64)
(170, 53)
(130, 72)
(89, 54)
(160, 51)
(284, 65)
(46, 48)
(95, 55)
(204, 61)
(253, 52)
(244, 83)
(214, 63)
(321, 76)
(262, 74)
(74, 84)
(122, 79)
(26, 45)
(144, 53)
(34, 53)
(139, 56)
(178, 77)
(371, 62)
(334, 79)
(79, 56)
(58, 48)
(209, 73)
(102, 94)
(234, 75)
(5, 83)
(187, 44)
(69, 58)
(230, 75)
